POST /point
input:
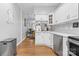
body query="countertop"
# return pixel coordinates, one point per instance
(58, 33)
(64, 34)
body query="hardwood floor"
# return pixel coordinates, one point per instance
(28, 48)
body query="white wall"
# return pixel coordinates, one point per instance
(10, 30)
(24, 29)
(29, 20)
(67, 28)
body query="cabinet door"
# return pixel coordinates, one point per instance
(72, 10)
(41, 17)
(46, 39)
(60, 14)
(38, 39)
(51, 19)
(66, 12)
(51, 40)
(42, 38)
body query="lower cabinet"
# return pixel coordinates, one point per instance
(58, 44)
(38, 39)
(54, 41)
(44, 38)
(51, 41)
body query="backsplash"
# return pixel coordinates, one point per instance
(67, 28)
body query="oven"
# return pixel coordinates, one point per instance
(73, 46)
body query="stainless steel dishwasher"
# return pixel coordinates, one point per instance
(58, 44)
(8, 47)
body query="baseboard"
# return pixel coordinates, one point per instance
(21, 41)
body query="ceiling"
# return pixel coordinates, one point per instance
(29, 8)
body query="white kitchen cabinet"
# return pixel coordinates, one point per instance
(46, 39)
(60, 14)
(50, 19)
(42, 38)
(66, 12)
(38, 39)
(65, 46)
(72, 10)
(51, 40)
(41, 17)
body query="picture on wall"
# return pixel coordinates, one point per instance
(25, 22)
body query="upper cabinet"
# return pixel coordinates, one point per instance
(72, 10)
(50, 18)
(60, 14)
(41, 17)
(66, 12)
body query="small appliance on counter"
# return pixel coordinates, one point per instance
(73, 45)
(38, 27)
(8, 47)
(75, 24)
